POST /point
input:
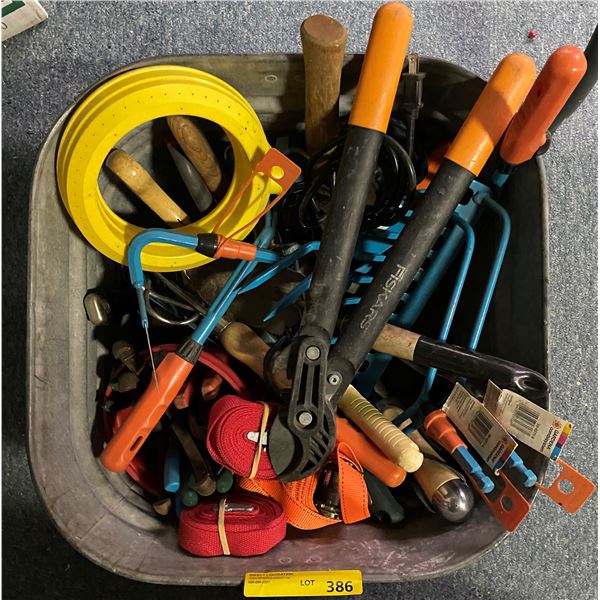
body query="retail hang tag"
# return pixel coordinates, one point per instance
(527, 422)
(281, 584)
(482, 430)
(19, 15)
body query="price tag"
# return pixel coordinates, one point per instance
(489, 438)
(527, 422)
(281, 584)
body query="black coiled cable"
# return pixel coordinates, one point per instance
(303, 211)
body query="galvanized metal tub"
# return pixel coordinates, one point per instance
(100, 514)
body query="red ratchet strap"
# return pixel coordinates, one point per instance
(231, 420)
(142, 469)
(236, 525)
(296, 497)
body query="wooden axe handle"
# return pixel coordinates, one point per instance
(323, 44)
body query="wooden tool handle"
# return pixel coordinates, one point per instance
(432, 475)
(385, 435)
(323, 44)
(198, 150)
(244, 345)
(391, 412)
(397, 342)
(139, 181)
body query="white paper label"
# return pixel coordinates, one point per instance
(19, 15)
(489, 438)
(527, 422)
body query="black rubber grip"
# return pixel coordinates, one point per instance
(431, 214)
(208, 243)
(189, 350)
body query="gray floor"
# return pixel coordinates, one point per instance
(552, 555)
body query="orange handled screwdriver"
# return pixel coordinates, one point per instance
(527, 132)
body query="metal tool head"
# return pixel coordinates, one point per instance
(454, 501)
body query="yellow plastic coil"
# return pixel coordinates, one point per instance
(127, 101)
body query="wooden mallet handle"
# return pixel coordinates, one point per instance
(323, 44)
(398, 447)
(139, 181)
(198, 150)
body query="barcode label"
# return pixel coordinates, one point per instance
(525, 419)
(480, 428)
(527, 422)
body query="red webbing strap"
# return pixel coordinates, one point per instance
(231, 419)
(296, 497)
(248, 533)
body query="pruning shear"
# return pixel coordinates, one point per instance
(303, 433)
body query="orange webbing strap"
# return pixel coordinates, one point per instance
(354, 497)
(296, 497)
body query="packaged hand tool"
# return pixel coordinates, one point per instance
(545, 433)
(323, 44)
(497, 491)
(235, 525)
(308, 355)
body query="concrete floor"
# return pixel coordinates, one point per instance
(552, 555)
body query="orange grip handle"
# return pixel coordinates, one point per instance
(368, 455)
(147, 412)
(527, 133)
(380, 73)
(438, 426)
(492, 112)
(235, 250)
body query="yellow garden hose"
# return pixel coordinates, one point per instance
(123, 103)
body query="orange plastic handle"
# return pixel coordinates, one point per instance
(527, 133)
(368, 455)
(380, 73)
(438, 427)
(227, 248)
(492, 112)
(147, 412)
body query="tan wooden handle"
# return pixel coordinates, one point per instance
(323, 44)
(139, 181)
(391, 412)
(198, 150)
(247, 347)
(397, 342)
(242, 343)
(385, 435)
(432, 475)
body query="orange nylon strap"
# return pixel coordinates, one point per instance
(221, 526)
(354, 497)
(296, 497)
(263, 427)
